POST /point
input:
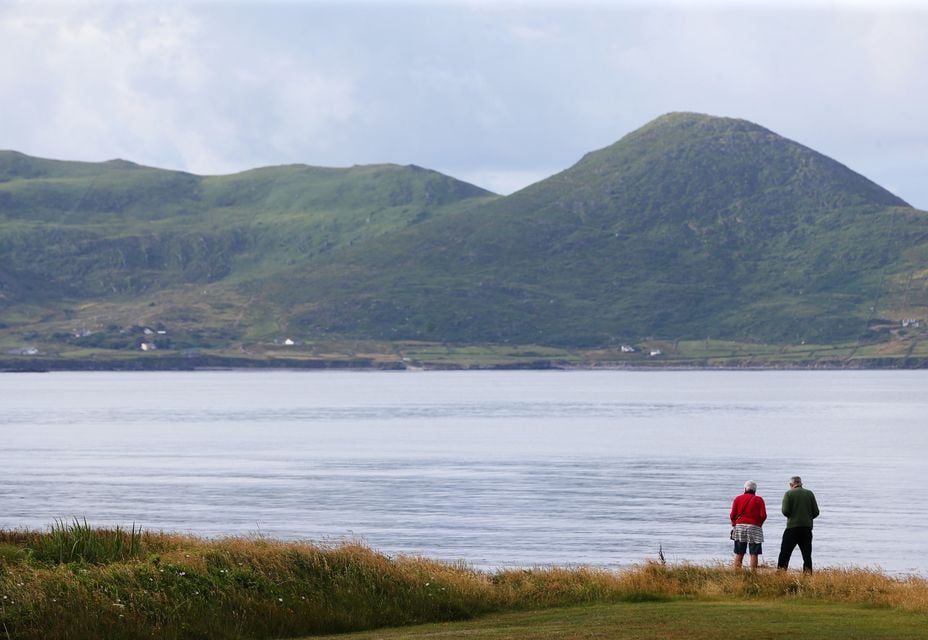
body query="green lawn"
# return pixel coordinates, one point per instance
(674, 620)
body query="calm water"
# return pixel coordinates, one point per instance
(493, 468)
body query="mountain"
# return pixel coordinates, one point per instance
(80, 231)
(692, 227)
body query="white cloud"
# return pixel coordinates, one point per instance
(532, 33)
(160, 85)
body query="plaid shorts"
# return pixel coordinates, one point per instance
(748, 537)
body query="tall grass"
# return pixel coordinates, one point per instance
(79, 542)
(76, 582)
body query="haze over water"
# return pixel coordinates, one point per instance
(493, 468)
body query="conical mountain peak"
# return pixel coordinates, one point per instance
(687, 164)
(692, 225)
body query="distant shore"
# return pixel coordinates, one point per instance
(218, 362)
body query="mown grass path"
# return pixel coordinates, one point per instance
(689, 620)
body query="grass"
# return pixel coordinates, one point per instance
(74, 581)
(674, 620)
(79, 542)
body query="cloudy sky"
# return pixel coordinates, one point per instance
(498, 93)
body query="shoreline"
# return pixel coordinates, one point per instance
(229, 363)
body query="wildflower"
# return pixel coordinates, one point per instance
(280, 599)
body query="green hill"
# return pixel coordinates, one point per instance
(83, 231)
(692, 227)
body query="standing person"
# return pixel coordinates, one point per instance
(800, 508)
(747, 516)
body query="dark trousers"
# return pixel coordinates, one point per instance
(801, 536)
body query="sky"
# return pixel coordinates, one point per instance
(498, 93)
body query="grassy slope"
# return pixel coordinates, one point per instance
(91, 231)
(703, 620)
(690, 227)
(92, 246)
(76, 581)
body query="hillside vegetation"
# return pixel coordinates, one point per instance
(77, 581)
(692, 228)
(88, 231)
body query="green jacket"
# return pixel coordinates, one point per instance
(799, 507)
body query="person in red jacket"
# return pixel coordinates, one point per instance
(748, 513)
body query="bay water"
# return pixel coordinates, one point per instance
(492, 468)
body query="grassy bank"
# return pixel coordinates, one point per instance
(75, 581)
(693, 620)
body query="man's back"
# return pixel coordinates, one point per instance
(799, 507)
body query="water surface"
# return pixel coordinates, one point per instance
(494, 468)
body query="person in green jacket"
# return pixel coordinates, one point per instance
(800, 508)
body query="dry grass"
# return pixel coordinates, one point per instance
(856, 586)
(183, 587)
(655, 582)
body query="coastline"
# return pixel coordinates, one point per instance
(220, 362)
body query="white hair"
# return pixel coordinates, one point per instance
(750, 486)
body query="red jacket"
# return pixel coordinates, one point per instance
(750, 508)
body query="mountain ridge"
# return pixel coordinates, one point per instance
(649, 253)
(690, 227)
